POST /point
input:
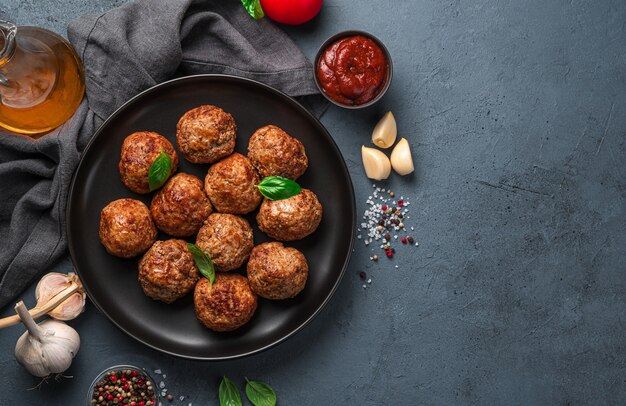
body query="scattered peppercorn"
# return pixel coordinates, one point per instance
(403, 240)
(400, 203)
(411, 240)
(375, 258)
(387, 237)
(392, 194)
(362, 275)
(170, 397)
(389, 253)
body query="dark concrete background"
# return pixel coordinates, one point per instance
(516, 113)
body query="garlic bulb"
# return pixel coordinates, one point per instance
(376, 163)
(401, 158)
(385, 132)
(53, 283)
(46, 348)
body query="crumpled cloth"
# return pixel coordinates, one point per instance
(125, 51)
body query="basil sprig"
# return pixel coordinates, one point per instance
(260, 394)
(203, 262)
(229, 394)
(160, 171)
(278, 188)
(253, 7)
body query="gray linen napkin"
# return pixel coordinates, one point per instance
(127, 50)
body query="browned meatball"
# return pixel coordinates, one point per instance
(226, 306)
(126, 228)
(230, 184)
(227, 239)
(180, 208)
(290, 219)
(167, 271)
(206, 134)
(273, 152)
(139, 150)
(276, 271)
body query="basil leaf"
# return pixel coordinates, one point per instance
(229, 394)
(203, 262)
(160, 171)
(260, 394)
(278, 188)
(253, 7)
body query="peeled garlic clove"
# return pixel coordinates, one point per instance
(401, 158)
(53, 283)
(376, 163)
(385, 132)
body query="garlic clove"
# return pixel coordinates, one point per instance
(376, 163)
(401, 158)
(53, 283)
(385, 132)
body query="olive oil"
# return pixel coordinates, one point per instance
(41, 81)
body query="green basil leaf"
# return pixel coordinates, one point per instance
(253, 7)
(203, 262)
(278, 188)
(160, 171)
(229, 394)
(260, 394)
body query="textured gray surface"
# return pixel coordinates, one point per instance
(516, 112)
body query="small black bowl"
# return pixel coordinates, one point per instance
(351, 33)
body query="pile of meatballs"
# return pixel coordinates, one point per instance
(211, 210)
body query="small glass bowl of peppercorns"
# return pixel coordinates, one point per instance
(123, 385)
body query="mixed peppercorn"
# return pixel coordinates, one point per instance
(124, 387)
(384, 222)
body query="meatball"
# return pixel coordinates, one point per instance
(167, 271)
(273, 152)
(181, 206)
(126, 228)
(276, 271)
(139, 150)
(227, 239)
(231, 185)
(290, 219)
(206, 134)
(227, 305)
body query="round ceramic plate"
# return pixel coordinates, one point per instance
(111, 282)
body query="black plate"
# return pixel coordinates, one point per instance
(111, 282)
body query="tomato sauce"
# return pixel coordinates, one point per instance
(353, 70)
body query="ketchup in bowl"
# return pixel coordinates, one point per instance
(353, 70)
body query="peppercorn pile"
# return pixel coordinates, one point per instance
(124, 387)
(384, 222)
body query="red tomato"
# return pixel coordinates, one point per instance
(292, 12)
